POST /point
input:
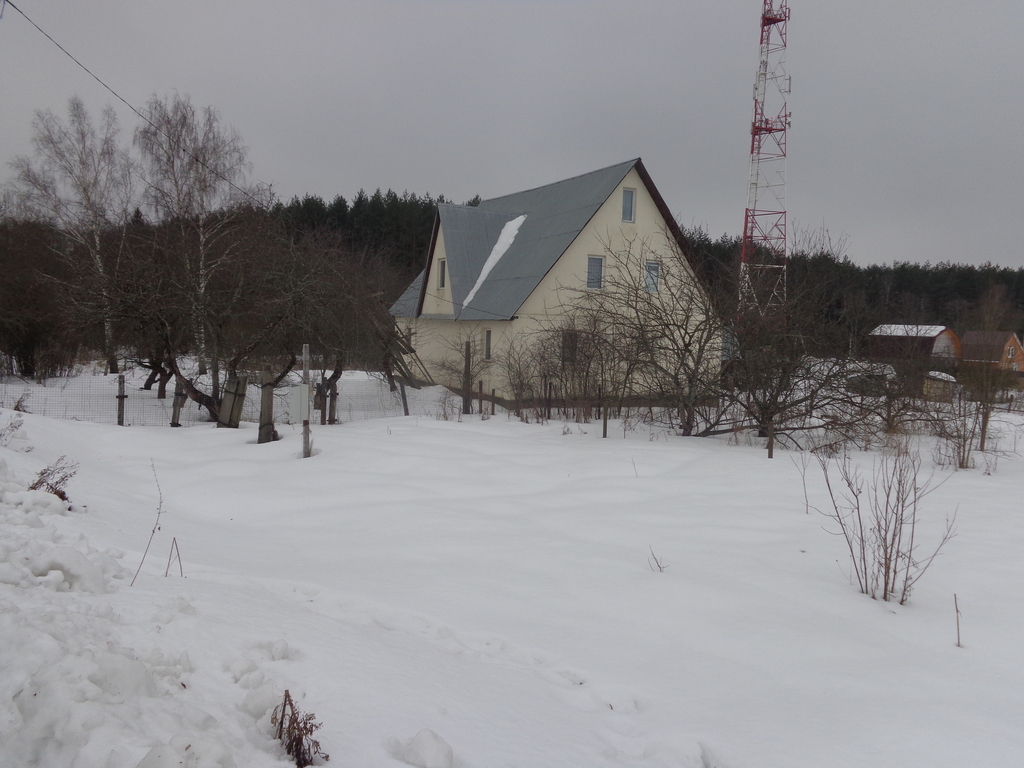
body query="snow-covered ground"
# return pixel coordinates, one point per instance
(486, 585)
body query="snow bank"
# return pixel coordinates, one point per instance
(71, 693)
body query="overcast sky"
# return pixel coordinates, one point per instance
(908, 116)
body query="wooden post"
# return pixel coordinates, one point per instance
(179, 401)
(266, 407)
(467, 383)
(481, 400)
(121, 397)
(492, 402)
(307, 442)
(551, 389)
(405, 400)
(321, 401)
(230, 412)
(604, 420)
(332, 409)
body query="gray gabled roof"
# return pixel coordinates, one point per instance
(555, 215)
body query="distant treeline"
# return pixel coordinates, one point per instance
(396, 226)
(861, 297)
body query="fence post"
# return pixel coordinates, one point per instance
(266, 407)
(179, 400)
(482, 398)
(121, 397)
(230, 412)
(307, 443)
(467, 382)
(320, 398)
(332, 408)
(405, 400)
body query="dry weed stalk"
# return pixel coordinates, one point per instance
(295, 729)
(55, 477)
(156, 525)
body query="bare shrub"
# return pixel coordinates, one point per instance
(10, 429)
(22, 403)
(55, 477)
(877, 518)
(295, 731)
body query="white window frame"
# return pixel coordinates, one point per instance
(598, 262)
(442, 274)
(652, 286)
(629, 212)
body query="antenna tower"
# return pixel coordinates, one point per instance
(763, 249)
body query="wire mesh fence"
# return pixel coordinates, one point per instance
(91, 395)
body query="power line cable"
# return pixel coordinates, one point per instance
(118, 96)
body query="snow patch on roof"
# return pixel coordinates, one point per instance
(505, 240)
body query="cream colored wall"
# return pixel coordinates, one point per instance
(440, 345)
(439, 341)
(605, 232)
(438, 301)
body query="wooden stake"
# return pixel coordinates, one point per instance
(121, 397)
(266, 433)
(307, 443)
(956, 606)
(179, 400)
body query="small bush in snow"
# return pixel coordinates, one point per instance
(295, 730)
(9, 430)
(55, 477)
(877, 518)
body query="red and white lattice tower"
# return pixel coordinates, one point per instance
(763, 250)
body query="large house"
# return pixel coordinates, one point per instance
(503, 271)
(1000, 349)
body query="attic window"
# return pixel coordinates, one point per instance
(595, 272)
(629, 205)
(441, 273)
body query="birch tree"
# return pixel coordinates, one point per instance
(79, 180)
(195, 169)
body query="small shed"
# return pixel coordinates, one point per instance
(897, 342)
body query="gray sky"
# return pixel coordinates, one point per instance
(908, 116)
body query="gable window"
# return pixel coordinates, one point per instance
(595, 271)
(442, 276)
(570, 346)
(1009, 353)
(487, 344)
(652, 276)
(629, 205)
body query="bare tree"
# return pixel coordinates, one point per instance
(79, 180)
(784, 373)
(666, 329)
(195, 167)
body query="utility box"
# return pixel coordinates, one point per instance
(298, 403)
